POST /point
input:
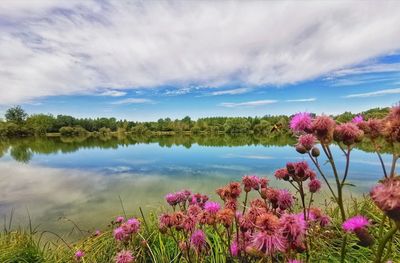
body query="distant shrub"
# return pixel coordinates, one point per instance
(73, 131)
(10, 129)
(140, 129)
(104, 131)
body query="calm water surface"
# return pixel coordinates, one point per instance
(83, 179)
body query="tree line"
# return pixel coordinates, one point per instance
(18, 123)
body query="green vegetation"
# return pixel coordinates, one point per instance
(19, 124)
(152, 246)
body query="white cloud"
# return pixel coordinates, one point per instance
(132, 101)
(59, 47)
(177, 92)
(254, 103)
(230, 92)
(374, 93)
(302, 100)
(368, 69)
(113, 93)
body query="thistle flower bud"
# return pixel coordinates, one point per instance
(315, 152)
(314, 186)
(290, 167)
(263, 193)
(365, 238)
(301, 149)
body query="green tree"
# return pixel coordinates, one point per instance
(40, 123)
(16, 114)
(236, 125)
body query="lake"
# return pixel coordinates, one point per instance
(83, 179)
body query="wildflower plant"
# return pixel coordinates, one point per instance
(386, 194)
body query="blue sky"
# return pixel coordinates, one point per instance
(150, 60)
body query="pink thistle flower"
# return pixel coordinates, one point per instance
(234, 248)
(263, 182)
(314, 185)
(323, 127)
(267, 243)
(199, 199)
(124, 256)
(131, 226)
(119, 219)
(386, 196)
(357, 119)
(295, 261)
(293, 228)
(268, 222)
(189, 223)
(172, 199)
(97, 233)
(354, 223)
(282, 173)
(372, 128)
(119, 234)
(272, 195)
(212, 207)
(79, 255)
(285, 199)
(231, 204)
(164, 222)
(251, 182)
(307, 140)
(348, 133)
(324, 221)
(194, 210)
(198, 240)
(225, 217)
(301, 122)
(392, 125)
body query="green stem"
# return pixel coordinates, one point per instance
(245, 203)
(346, 171)
(343, 249)
(339, 186)
(323, 176)
(303, 202)
(328, 153)
(382, 243)
(381, 226)
(394, 160)
(380, 159)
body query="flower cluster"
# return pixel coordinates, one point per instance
(299, 172)
(392, 125)
(124, 256)
(266, 226)
(372, 128)
(386, 196)
(348, 133)
(296, 171)
(177, 197)
(126, 229)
